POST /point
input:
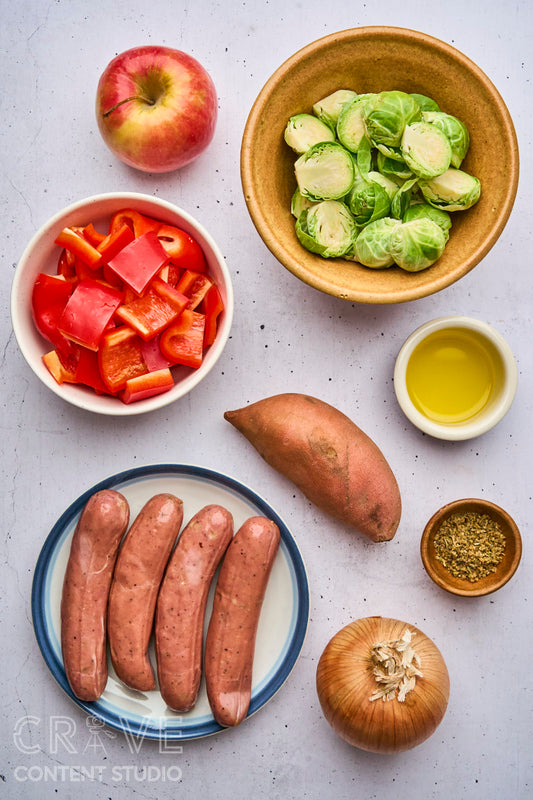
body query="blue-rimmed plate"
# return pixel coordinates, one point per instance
(282, 626)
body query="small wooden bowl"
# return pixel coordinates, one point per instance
(373, 59)
(490, 583)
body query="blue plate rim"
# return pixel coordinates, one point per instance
(146, 729)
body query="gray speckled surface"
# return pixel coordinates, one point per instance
(286, 336)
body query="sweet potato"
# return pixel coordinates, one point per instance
(332, 461)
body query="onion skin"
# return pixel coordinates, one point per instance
(345, 683)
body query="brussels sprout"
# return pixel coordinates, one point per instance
(386, 114)
(303, 131)
(454, 190)
(393, 153)
(329, 108)
(372, 246)
(455, 131)
(351, 129)
(426, 149)
(425, 103)
(390, 186)
(392, 167)
(367, 200)
(325, 172)
(299, 203)
(442, 218)
(402, 199)
(417, 244)
(327, 228)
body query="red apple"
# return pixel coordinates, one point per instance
(156, 108)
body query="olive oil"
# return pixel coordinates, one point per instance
(452, 375)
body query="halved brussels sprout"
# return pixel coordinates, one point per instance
(304, 130)
(351, 129)
(455, 131)
(454, 190)
(386, 114)
(299, 203)
(390, 186)
(327, 228)
(417, 244)
(329, 108)
(367, 200)
(325, 172)
(392, 167)
(403, 197)
(425, 103)
(426, 149)
(373, 245)
(419, 210)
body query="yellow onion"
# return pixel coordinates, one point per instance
(347, 686)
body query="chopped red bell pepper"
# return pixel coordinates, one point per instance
(49, 297)
(195, 286)
(154, 310)
(79, 246)
(139, 261)
(60, 371)
(88, 312)
(212, 306)
(153, 356)
(183, 341)
(115, 241)
(138, 222)
(93, 236)
(148, 385)
(88, 371)
(120, 357)
(181, 248)
(66, 266)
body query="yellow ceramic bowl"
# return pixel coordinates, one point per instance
(490, 583)
(373, 59)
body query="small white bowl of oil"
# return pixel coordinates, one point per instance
(455, 377)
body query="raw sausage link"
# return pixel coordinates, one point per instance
(86, 584)
(182, 601)
(139, 570)
(230, 642)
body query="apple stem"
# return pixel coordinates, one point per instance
(127, 100)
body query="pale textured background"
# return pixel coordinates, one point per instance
(286, 336)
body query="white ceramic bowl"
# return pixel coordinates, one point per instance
(41, 255)
(499, 401)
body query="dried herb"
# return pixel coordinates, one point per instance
(470, 545)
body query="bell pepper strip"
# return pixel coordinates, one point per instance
(71, 240)
(212, 306)
(50, 295)
(88, 371)
(136, 221)
(195, 286)
(66, 266)
(183, 341)
(120, 357)
(153, 356)
(115, 241)
(93, 236)
(138, 262)
(59, 371)
(182, 250)
(154, 310)
(148, 385)
(88, 312)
